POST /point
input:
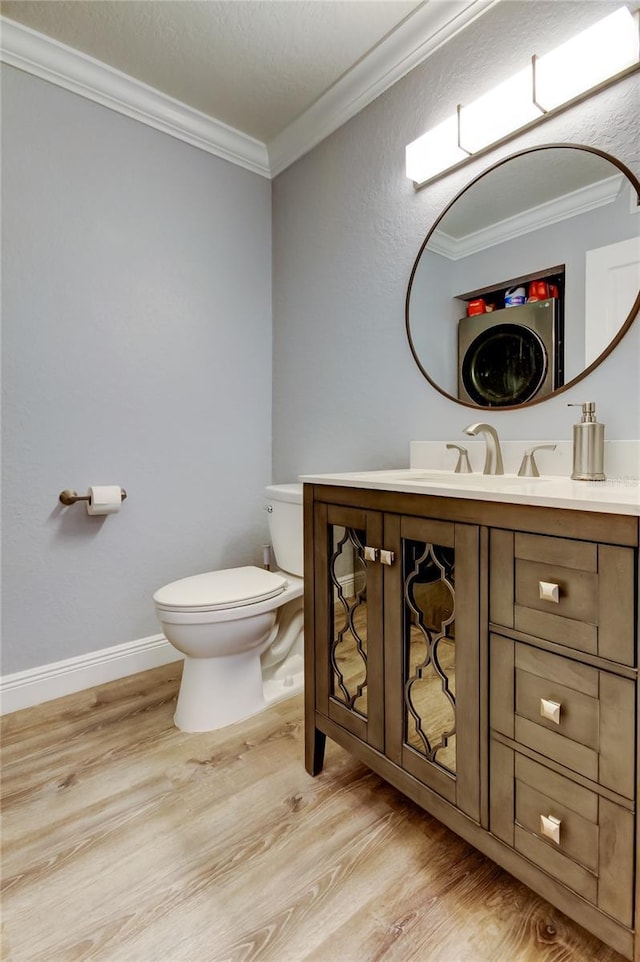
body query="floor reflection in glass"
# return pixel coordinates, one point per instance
(349, 642)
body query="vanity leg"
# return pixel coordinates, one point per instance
(314, 751)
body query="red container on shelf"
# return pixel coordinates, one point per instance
(538, 291)
(477, 306)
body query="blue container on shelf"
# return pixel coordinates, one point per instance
(514, 297)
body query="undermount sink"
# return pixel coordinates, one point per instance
(468, 480)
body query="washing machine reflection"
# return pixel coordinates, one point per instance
(510, 356)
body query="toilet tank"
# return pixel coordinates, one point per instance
(284, 505)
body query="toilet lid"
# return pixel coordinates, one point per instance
(215, 590)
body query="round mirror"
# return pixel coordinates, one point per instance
(528, 279)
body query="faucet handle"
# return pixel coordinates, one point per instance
(529, 468)
(462, 466)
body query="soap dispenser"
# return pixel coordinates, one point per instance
(588, 445)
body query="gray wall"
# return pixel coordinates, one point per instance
(348, 226)
(137, 337)
(137, 350)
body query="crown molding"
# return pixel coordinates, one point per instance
(418, 36)
(59, 64)
(425, 30)
(542, 215)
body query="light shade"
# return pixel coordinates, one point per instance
(586, 60)
(591, 58)
(435, 151)
(498, 113)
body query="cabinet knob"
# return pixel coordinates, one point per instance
(550, 828)
(370, 554)
(549, 591)
(387, 557)
(550, 710)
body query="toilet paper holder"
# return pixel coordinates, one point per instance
(71, 497)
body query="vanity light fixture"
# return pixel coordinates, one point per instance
(498, 113)
(592, 60)
(435, 151)
(585, 61)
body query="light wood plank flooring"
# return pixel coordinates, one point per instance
(125, 840)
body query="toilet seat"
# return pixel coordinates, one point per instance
(220, 590)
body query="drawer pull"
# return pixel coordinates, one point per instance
(550, 710)
(370, 554)
(550, 828)
(549, 591)
(386, 557)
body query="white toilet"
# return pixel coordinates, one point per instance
(240, 629)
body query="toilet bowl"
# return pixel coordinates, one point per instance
(224, 621)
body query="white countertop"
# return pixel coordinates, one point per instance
(614, 496)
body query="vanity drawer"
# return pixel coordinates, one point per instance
(575, 593)
(574, 834)
(552, 589)
(540, 812)
(579, 716)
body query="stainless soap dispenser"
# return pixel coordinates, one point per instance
(588, 445)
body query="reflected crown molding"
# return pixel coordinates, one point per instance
(543, 215)
(425, 30)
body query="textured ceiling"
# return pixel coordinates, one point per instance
(255, 65)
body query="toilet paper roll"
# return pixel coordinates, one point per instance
(104, 499)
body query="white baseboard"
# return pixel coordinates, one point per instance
(347, 585)
(24, 689)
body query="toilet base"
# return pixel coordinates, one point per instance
(275, 691)
(215, 692)
(233, 685)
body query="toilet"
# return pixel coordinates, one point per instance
(240, 629)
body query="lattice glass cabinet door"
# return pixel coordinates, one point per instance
(431, 654)
(349, 676)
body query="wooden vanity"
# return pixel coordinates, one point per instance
(481, 656)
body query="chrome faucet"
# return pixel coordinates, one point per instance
(493, 457)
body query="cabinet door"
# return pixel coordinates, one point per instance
(432, 656)
(348, 628)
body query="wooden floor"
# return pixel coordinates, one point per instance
(125, 840)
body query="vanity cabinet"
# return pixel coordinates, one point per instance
(562, 711)
(482, 658)
(398, 638)
(348, 628)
